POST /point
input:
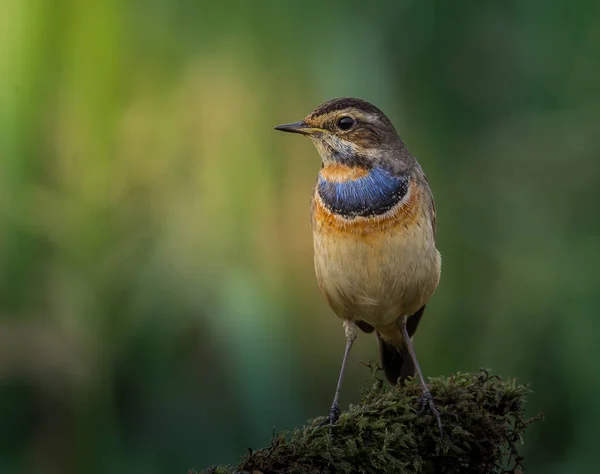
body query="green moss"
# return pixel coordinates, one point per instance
(387, 432)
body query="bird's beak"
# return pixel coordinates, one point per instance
(297, 127)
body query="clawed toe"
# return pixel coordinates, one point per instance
(334, 415)
(427, 401)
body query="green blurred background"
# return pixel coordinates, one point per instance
(158, 309)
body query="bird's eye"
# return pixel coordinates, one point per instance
(345, 123)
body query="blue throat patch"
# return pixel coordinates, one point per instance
(370, 195)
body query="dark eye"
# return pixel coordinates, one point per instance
(345, 123)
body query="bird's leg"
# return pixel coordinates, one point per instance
(426, 399)
(334, 413)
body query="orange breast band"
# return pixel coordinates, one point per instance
(404, 214)
(339, 173)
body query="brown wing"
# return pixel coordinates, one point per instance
(431, 204)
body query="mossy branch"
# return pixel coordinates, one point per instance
(387, 432)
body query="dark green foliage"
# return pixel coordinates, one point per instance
(483, 420)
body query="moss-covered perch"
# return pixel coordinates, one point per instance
(387, 432)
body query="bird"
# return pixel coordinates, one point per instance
(373, 221)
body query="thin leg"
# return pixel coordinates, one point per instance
(427, 398)
(334, 413)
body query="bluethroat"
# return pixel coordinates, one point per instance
(374, 224)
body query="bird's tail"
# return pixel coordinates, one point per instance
(395, 359)
(397, 363)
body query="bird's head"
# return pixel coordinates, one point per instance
(353, 133)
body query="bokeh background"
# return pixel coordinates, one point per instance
(158, 309)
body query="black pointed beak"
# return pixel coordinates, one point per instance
(296, 127)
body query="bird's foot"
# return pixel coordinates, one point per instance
(334, 415)
(426, 400)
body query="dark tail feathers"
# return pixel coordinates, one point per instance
(397, 365)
